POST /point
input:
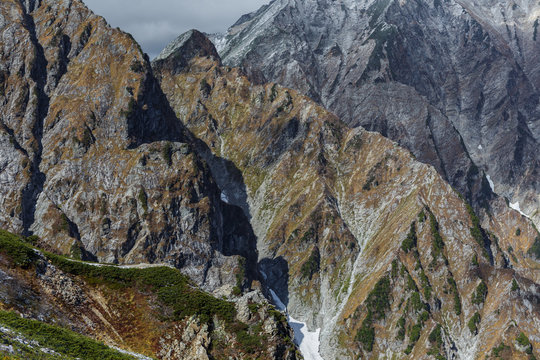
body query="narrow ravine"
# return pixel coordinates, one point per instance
(308, 342)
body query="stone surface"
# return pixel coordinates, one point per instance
(92, 157)
(455, 82)
(330, 207)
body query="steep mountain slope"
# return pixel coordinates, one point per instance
(456, 82)
(355, 236)
(92, 157)
(153, 311)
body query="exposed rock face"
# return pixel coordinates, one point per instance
(92, 157)
(456, 82)
(331, 207)
(134, 318)
(201, 169)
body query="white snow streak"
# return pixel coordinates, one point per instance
(224, 198)
(307, 341)
(516, 207)
(491, 184)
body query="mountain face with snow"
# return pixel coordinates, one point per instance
(455, 82)
(370, 252)
(220, 212)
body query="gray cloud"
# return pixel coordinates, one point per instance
(154, 23)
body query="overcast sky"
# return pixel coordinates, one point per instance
(154, 23)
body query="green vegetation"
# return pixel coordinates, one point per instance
(518, 232)
(401, 328)
(499, 349)
(436, 336)
(416, 302)
(75, 251)
(523, 340)
(366, 334)
(143, 200)
(273, 93)
(377, 303)
(312, 264)
(438, 243)
(479, 296)
(477, 232)
(410, 241)
(166, 153)
(427, 292)
(61, 224)
(535, 248)
(172, 287)
(21, 254)
(60, 340)
(411, 285)
(475, 260)
(457, 300)
(473, 323)
(422, 216)
(423, 278)
(240, 275)
(515, 285)
(250, 341)
(308, 236)
(414, 334)
(394, 269)
(204, 87)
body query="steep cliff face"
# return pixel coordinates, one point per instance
(332, 209)
(453, 81)
(93, 158)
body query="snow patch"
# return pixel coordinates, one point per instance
(224, 198)
(480, 147)
(307, 341)
(516, 207)
(491, 184)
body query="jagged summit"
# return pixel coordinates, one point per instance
(185, 47)
(456, 82)
(211, 192)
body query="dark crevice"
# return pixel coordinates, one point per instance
(38, 73)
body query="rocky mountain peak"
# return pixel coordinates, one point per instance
(210, 191)
(185, 47)
(453, 81)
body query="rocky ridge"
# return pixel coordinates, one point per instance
(154, 312)
(332, 208)
(241, 187)
(455, 82)
(93, 158)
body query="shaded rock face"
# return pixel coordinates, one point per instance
(332, 206)
(92, 157)
(455, 82)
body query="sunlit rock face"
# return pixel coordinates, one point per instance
(354, 235)
(455, 82)
(93, 159)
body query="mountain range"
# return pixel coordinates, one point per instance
(328, 179)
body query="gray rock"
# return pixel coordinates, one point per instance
(456, 82)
